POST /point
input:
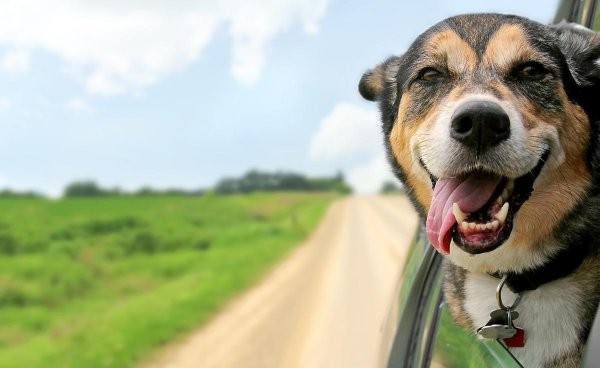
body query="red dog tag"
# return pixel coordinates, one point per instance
(517, 341)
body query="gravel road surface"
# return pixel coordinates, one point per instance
(326, 305)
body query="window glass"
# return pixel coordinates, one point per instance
(456, 348)
(411, 267)
(419, 309)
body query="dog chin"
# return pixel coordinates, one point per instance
(507, 257)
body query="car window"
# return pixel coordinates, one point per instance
(456, 348)
(584, 12)
(417, 314)
(415, 257)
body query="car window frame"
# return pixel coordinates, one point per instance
(584, 12)
(412, 318)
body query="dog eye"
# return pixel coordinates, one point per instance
(430, 75)
(531, 70)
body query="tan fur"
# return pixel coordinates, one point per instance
(447, 47)
(507, 47)
(400, 143)
(460, 58)
(561, 188)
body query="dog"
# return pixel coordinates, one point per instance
(492, 124)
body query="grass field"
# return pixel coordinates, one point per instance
(101, 282)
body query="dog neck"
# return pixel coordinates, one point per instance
(561, 264)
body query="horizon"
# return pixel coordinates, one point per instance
(198, 190)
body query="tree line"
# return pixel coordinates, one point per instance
(89, 188)
(255, 180)
(252, 181)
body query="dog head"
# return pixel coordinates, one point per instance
(488, 121)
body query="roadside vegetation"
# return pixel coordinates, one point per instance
(391, 187)
(250, 182)
(100, 282)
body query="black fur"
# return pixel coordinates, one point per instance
(454, 287)
(478, 34)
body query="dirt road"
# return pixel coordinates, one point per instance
(325, 306)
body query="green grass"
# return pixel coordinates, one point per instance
(102, 282)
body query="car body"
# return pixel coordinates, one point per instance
(425, 334)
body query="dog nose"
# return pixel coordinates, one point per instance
(480, 125)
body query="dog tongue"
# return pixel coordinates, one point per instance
(471, 193)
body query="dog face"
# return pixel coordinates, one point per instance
(487, 123)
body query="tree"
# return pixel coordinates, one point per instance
(390, 187)
(255, 180)
(85, 188)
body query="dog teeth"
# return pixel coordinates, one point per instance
(458, 213)
(499, 200)
(501, 215)
(471, 227)
(505, 195)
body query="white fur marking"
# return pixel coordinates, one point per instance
(512, 158)
(549, 315)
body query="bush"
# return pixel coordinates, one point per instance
(255, 180)
(8, 244)
(11, 296)
(391, 188)
(97, 227)
(64, 247)
(85, 188)
(142, 242)
(203, 244)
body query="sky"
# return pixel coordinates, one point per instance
(134, 93)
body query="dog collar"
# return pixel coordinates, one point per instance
(560, 265)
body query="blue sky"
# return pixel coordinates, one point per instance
(180, 94)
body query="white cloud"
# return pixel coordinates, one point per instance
(369, 177)
(15, 61)
(347, 130)
(124, 46)
(352, 133)
(78, 105)
(254, 24)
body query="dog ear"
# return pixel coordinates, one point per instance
(581, 47)
(375, 81)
